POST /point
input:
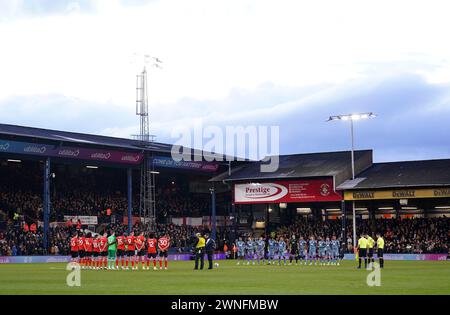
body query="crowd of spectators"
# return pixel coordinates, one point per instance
(415, 235)
(17, 240)
(308, 227)
(180, 205)
(93, 204)
(421, 235)
(401, 236)
(79, 191)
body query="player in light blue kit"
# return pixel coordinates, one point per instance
(272, 250)
(302, 252)
(281, 251)
(328, 250)
(335, 245)
(250, 247)
(240, 250)
(312, 248)
(260, 249)
(321, 250)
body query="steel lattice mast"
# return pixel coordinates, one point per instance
(147, 203)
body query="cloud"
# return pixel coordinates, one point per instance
(136, 2)
(289, 63)
(24, 9)
(208, 47)
(412, 115)
(20, 9)
(63, 113)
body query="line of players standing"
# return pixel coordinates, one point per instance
(92, 252)
(324, 251)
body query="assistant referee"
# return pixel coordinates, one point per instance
(362, 250)
(380, 249)
(370, 249)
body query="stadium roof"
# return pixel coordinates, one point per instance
(402, 174)
(326, 164)
(39, 134)
(79, 138)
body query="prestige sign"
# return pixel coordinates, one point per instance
(286, 191)
(397, 194)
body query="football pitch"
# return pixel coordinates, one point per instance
(398, 277)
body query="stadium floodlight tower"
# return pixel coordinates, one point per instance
(351, 118)
(147, 202)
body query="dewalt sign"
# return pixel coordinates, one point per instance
(397, 194)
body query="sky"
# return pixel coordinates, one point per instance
(72, 65)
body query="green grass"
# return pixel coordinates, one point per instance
(398, 277)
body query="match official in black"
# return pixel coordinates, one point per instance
(210, 246)
(199, 249)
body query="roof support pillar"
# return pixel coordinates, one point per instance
(343, 220)
(213, 212)
(46, 203)
(130, 198)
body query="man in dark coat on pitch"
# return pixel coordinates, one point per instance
(210, 246)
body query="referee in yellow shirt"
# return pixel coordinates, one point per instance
(362, 250)
(380, 249)
(370, 246)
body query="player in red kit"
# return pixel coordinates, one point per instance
(103, 245)
(88, 250)
(81, 251)
(121, 251)
(163, 245)
(140, 247)
(131, 247)
(95, 252)
(74, 247)
(151, 250)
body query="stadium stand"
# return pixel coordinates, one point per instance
(75, 195)
(181, 193)
(419, 235)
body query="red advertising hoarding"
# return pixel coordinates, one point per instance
(315, 190)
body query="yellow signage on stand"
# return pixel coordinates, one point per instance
(397, 194)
